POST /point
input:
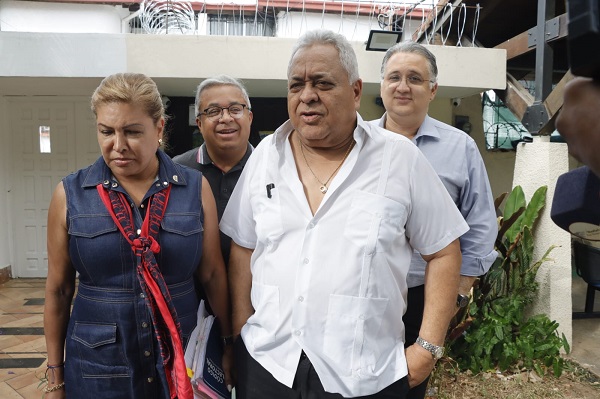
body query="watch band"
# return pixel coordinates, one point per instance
(436, 351)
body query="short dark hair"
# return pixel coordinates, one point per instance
(415, 48)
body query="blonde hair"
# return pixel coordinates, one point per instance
(130, 88)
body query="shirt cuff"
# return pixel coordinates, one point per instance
(477, 266)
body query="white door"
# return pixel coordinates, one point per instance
(51, 138)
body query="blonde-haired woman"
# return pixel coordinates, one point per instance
(135, 227)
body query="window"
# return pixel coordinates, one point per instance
(501, 127)
(260, 24)
(45, 140)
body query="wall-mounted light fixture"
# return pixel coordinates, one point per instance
(381, 40)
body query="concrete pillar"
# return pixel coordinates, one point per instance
(538, 164)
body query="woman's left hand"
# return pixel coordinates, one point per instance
(228, 366)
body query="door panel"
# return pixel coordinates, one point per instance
(36, 174)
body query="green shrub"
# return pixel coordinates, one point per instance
(495, 332)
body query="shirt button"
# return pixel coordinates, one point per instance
(298, 333)
(142, 295)
(146, 353)
(139, 231)
(305, 261)
(311, 225)
(300, 299)
(142, 205)
(144, 324)
(150, 379)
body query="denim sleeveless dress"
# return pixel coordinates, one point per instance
(111, 349)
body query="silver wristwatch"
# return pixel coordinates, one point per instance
(436, 351)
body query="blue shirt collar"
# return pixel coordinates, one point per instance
(427, 128)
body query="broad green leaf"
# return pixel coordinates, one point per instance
(566, 344)
(507, 224)
(558, 367)
(515, 200)
(499, 333)
(537, 202)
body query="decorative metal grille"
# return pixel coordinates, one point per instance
(167, 17)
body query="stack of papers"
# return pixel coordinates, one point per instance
(203, 358)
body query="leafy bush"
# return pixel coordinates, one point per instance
(495, 332)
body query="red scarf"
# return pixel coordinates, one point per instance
(158, 299)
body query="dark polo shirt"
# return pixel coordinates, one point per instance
(221, 184)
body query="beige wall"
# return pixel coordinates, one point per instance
(368, 109)
(175, 61)
(499, 165)
(538, 164)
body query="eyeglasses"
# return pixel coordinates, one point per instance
(411, 80)
(215, 113)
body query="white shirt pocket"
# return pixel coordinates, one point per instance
(351, 332)
(374, 222)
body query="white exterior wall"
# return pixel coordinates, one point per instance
(540, 163)
(61, 54)
(6, 237)
(30, 16)
(261, 61)
(56, 61)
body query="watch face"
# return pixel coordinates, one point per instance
(439, 352)
(462, 301)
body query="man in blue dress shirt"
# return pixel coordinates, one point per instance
(408, 85)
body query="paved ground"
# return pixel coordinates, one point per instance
(23, 349)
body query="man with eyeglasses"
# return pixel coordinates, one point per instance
(224, 118)
(408, 85)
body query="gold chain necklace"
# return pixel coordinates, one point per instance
(323, 187)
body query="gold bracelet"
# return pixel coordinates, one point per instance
(54, 388)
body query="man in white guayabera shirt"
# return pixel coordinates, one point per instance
(323, 221)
